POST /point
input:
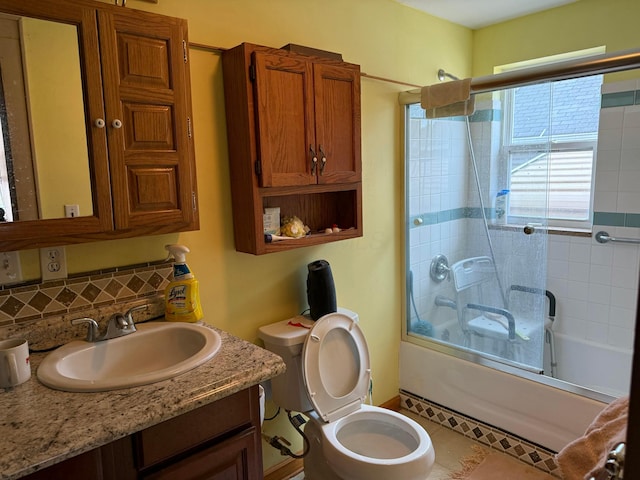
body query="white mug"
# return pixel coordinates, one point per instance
(14, 362)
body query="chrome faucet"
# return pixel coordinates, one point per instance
(119, 325)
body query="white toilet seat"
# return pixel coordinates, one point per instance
(359, 441)
(375, 443)
(336, 366)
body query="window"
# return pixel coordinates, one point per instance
(550, 142)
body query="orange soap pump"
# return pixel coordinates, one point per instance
(182, 296)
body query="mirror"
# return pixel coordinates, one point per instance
(44, 159)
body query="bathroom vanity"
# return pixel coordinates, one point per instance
(203, 422)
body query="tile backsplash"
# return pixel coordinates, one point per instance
(97, 294)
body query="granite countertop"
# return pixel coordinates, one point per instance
(40, 426)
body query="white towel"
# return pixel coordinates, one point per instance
(448, 99)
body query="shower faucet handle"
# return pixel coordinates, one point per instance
(439, 269)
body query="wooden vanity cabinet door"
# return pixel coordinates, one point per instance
(146, 85)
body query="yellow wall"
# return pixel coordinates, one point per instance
(241, 292)
(576, 26)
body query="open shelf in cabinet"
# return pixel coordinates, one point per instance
(318, 208)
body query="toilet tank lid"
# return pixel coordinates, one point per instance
(292, 331)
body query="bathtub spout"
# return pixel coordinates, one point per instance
(442, 301)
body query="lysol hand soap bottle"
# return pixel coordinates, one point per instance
(182, 296)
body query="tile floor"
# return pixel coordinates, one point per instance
(450, 447)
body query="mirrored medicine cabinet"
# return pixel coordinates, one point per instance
(95, 116)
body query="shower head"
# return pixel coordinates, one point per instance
(442, 75)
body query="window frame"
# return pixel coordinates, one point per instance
(549, 144)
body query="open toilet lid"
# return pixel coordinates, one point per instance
(336, 366)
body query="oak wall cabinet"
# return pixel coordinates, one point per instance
(135, 121)
(293, 125)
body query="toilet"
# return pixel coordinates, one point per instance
(328, 378)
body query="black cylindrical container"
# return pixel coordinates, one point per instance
(321, 292)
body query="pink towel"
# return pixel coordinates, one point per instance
(585, 457)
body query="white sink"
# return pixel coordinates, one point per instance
(157, 351)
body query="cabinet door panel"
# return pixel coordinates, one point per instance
(144, 77)
(152, 189)
(148, 127)
(285, 121)
(337, 104)
(143, 61)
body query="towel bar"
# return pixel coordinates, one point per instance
(604, 237)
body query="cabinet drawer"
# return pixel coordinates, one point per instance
(191, 429)
(232, 459)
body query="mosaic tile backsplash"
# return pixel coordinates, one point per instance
(31, 310)
(505, 442)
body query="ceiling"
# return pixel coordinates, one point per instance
(481, 13)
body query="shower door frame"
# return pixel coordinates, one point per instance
(469, 354)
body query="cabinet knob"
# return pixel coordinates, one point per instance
(99, 122)
(314, 160)
(116, 123)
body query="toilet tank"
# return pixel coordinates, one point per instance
(286, 339)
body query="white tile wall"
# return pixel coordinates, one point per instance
(438, 183)
(597, 284)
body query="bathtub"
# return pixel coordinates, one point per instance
(597, 367)
(530, 406)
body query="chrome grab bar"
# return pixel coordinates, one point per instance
(604, 237)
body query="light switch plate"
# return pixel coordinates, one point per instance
(10, 269)
(53, 263)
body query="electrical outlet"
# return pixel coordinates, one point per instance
(71, 211)
(53, 263)
(10, 269)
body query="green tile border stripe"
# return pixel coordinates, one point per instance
(608, 219)
(616, 219)
(621, 99)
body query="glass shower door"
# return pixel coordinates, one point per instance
(476, 203)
